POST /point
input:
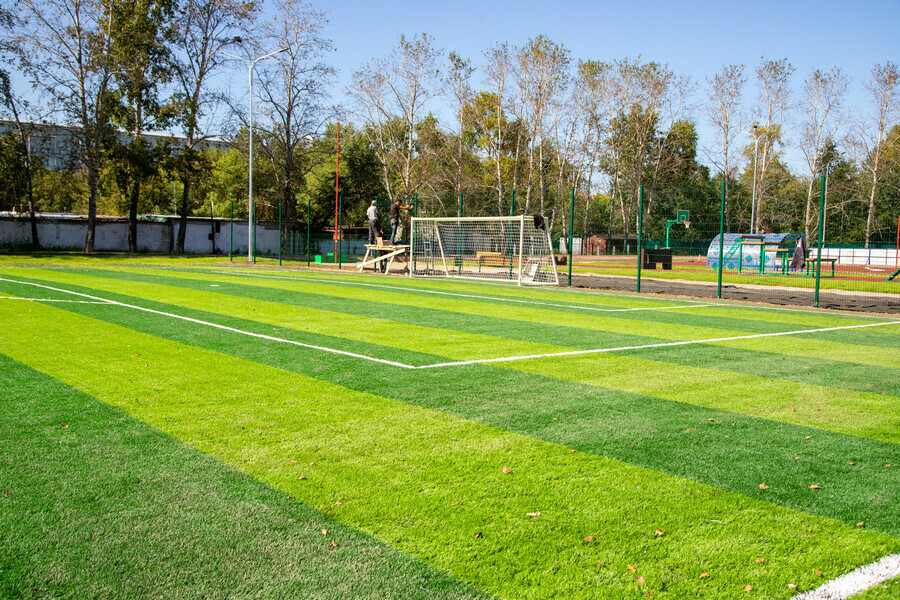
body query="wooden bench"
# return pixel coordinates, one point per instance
(493, 259)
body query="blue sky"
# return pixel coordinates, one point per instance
(695, 38)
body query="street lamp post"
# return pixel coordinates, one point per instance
(250, 223)
(753, 200)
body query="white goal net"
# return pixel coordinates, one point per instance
(501, 248)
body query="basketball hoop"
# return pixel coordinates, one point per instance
(687, 224)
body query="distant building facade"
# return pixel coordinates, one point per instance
(57, 146)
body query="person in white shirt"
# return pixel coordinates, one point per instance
(374, 229)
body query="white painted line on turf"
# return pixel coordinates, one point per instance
(648, 346)
(53, 300)
(463, 362)
(856, 581)
(217, 326)
(461, 295)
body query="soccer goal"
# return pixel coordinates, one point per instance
(500, 248)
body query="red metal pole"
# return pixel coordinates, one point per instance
(337, 178)
(897, 251)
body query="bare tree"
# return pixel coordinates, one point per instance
(590, 91)
(293, 91)
(490, 118)
(543, 76)
(64, 49)
(870, 136)
(391, 94)
(820, 104)
(723, 110)
(461, 94)
(773, 103)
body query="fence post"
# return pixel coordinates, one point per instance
(721, 239)
(571, 219)
(340, 236)
(821, 237)
(640, 241)
(308, 249)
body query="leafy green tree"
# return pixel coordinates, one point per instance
(360, 180)
(201, 30)
(143, 60)
(65, 50)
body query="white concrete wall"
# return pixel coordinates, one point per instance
(67, 232)
(874, 257)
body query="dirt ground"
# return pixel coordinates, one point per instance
(782, 296)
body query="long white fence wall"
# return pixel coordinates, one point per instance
(872, 257)
(155, 235)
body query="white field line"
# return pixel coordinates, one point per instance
(54, 300)
(461, 295)
(647, 346)
(463, 362)
(217, 326)
(856, 581)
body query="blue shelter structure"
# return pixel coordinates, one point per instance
(760, 253)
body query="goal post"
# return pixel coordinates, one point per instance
(495, 248)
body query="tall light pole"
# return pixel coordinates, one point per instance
(250, 224)
(757, 135)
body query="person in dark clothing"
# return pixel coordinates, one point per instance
(396, 207)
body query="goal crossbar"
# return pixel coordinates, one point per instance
(495, 248)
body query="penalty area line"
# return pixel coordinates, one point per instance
(649, 346)
(217, 326)
(425, 292)
(857, 581)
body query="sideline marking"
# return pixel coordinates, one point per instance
(857, 581)
(215, 325)
(53, 300)
(455, 363)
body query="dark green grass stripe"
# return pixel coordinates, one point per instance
(806, 370)
(870, 337)
(94, 503)
(637, 429)
(829, 373)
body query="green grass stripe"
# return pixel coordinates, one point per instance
(604, 331)
(612, 423)
(730, 321)
(780, 385)
(430, 483)
(838, 397)
(331, 321)
(96, 504)
(883, 591)
(842, 415)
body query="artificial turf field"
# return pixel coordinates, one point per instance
(181, 429)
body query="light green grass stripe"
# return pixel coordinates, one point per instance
(433, 485)
(583, 297)
(96, 504)
(799, 346)
(614, 322)
(836, 409)
(451, 344)
(871, 415)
